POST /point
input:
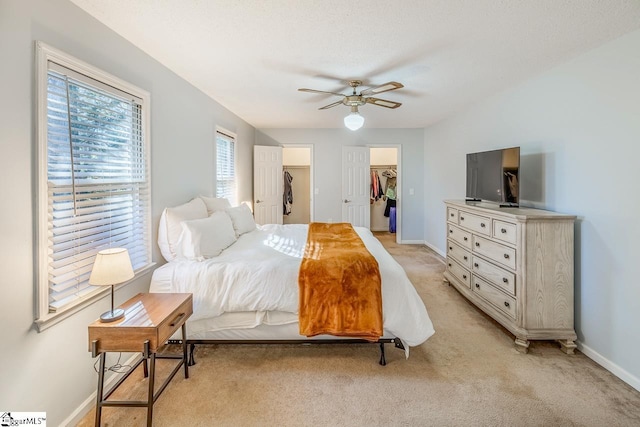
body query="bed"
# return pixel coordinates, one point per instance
(248, 290)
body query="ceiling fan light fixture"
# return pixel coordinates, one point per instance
(354, 120)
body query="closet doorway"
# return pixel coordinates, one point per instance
(385, 190)
(297, 165)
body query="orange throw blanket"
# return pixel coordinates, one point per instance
(340, 285)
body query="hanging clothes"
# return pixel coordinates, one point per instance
(390, 184)
(390, 173)
(372, 187)
(376, 187)
(390, 189)
(391, 203)
(287, 197)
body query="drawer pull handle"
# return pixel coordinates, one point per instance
(475, 264)
(461, 218)
(506, 304)
(477, 244)
(465, 258)
(503, 230)
(449, 264)
(477, 286)
(452, 215)
(450, 231)
(465, 239)
(506, 256)
(177, 320)
(450, 248)
(482, 224)
(505, 280)
(464, 276)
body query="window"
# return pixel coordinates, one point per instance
(94, 187)
(226, 166)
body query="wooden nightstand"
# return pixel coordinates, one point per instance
(149, 321)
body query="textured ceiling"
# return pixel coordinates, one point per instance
(251, 56)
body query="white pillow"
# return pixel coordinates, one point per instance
(170, 229)
(242, 219)
(207, 237)
(215, 204)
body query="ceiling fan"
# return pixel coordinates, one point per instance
(354, 100)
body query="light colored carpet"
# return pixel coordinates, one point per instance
(468, 373)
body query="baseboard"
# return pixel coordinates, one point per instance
(435, 249)
(412, 242)
(74, 418)
(616, 370)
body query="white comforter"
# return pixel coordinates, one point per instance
(259, 273)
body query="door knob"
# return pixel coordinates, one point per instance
(347, 201)
(258, 201)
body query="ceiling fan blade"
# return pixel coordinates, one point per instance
(382, 88)
(383, 102)
(330, 105)
(320, 91)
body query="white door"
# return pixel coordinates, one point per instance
(356, 179)
(267, 184)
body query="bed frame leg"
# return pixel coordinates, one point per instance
(398, 343)
(192, 349)
(383, 361)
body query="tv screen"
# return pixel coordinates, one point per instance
(494, 176)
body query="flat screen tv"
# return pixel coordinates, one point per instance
(494, 176)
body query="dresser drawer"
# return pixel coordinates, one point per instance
(501, 254)
(500, 277)
(477, 223)
(452, 215)
(499, 300)
(458, 253)
(461, 273)
(505, 231)
(459, 235)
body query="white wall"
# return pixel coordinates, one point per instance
(53, 371)
(296, 156)
(327, 158)
(383, 156)
(578, 126)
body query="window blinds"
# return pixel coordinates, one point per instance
(97, 179)
(225, 167)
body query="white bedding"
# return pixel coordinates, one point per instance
(255, 282)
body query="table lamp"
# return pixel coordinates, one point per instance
(111, 267)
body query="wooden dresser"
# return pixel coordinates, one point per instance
(516, 264)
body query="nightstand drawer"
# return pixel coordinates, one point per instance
(174, 321)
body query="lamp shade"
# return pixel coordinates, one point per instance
(354, 120)
(111, 267)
